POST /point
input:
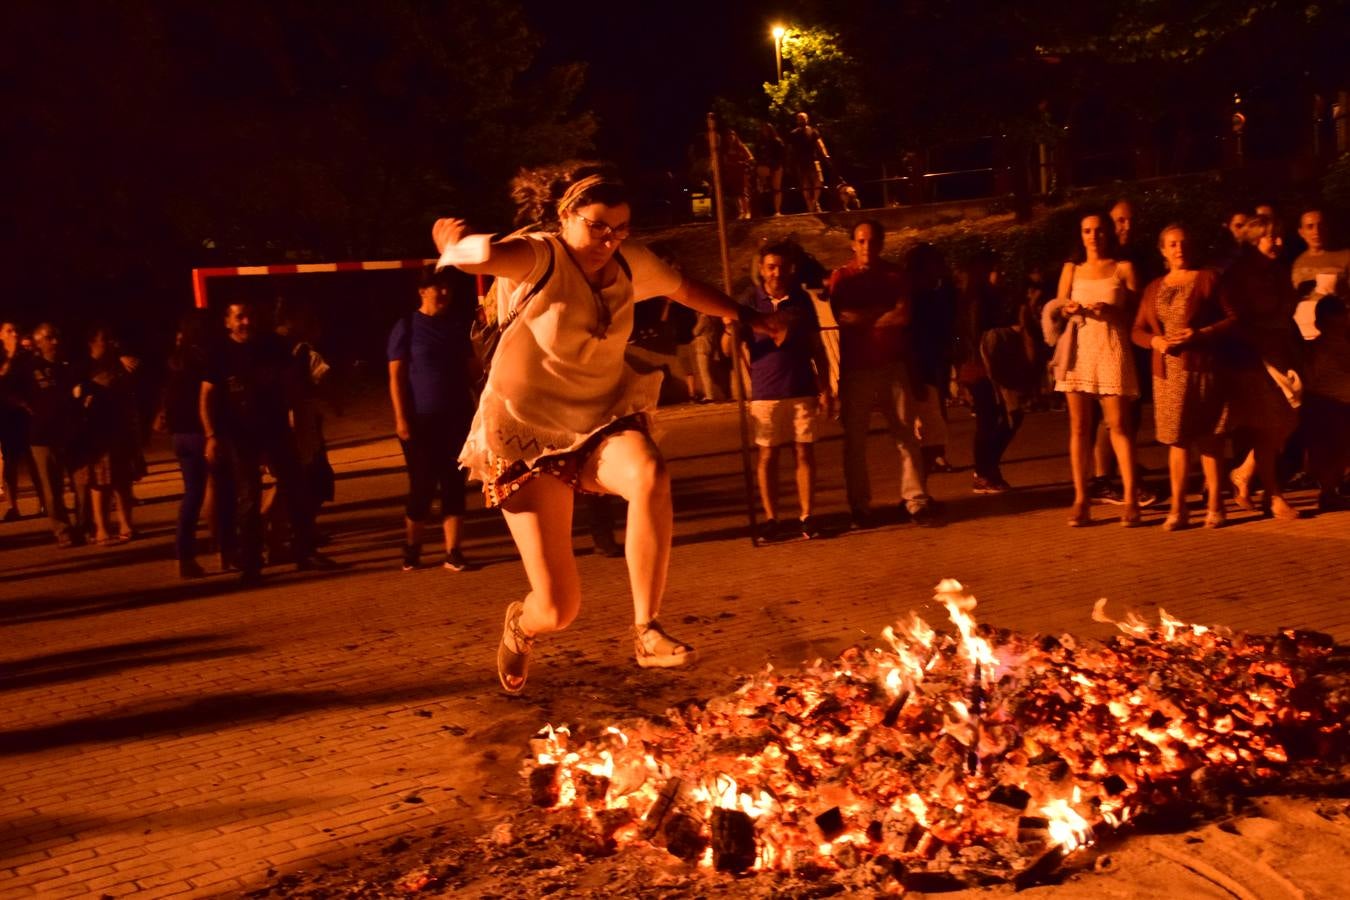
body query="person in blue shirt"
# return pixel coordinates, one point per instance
(789, 384)
(431, 386)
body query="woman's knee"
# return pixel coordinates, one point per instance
(647, 476)
(556, 606)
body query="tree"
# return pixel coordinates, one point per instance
(152, 135)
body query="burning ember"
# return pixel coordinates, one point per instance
(950, 759)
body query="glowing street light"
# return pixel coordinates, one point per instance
(778, 32)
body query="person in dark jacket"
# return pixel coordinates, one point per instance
(48, 384)
(183, 422)
(14, 453)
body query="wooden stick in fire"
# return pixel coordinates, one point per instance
(976, 703)
(893, 711)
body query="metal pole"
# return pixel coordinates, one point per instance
(719, 206)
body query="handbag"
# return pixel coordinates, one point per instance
(485, 335)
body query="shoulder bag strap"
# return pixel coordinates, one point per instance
(534, 289)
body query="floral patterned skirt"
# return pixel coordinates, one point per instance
(509, 476)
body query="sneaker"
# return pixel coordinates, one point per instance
(924, 516)
(941, 466)
(411, 557)
(654, 649)
(1301, 481)
(1103, 491)
(605, 545)
(455, 561)
(811, 528)
(861, 520)
(990, 486)
(188, 568)
(1144, 497)
(770, 530)
(316, 562)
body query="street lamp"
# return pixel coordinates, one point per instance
(778, 32)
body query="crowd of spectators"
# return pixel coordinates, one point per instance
(1244, 357)
(239, 402)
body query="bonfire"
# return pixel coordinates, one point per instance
(969, 756)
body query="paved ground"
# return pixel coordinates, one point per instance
(160, 738)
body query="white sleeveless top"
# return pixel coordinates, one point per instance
(553, 383)
(1100, 361)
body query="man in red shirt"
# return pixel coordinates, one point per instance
(870, 300)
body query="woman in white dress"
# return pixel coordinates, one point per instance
(1094, 362)
(561, 412)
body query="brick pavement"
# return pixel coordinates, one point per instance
(170, 739)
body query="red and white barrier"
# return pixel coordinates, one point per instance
(199, 276)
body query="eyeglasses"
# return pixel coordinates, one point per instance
(602, 231)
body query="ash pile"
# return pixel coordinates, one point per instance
(959, 758)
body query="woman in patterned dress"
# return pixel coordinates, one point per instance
(1182, 320)
(1093, 362)
(561, 412)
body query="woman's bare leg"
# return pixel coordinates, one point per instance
(1178, 461)
(1116, 412)
(124, 525)
(98, 505)
(630, 465)
(539, 517)
(1080, 447)
(1265, 451)
(1211, 463)
(1241, 476)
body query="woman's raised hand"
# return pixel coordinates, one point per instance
(446, 232)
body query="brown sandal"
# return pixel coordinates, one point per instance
(654, 649)
(1080, 514)
(513, 665)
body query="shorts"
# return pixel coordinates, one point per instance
(433, 471)
(790, 421)
(508, 476)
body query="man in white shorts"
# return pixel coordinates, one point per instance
(789, 385)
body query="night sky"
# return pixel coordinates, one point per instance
(654, 69)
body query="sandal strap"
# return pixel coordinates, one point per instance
(654, 640)
(524, 642)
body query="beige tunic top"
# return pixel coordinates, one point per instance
(553, 383)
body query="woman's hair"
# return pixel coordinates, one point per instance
(1170, 226)
(542, 194)
(1080, 252)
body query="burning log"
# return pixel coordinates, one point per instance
(544, 786)
(664, 805)
(592, 789)
(684, 837)
(733, 840)
(830, 823)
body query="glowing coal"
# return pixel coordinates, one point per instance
(983, 755)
